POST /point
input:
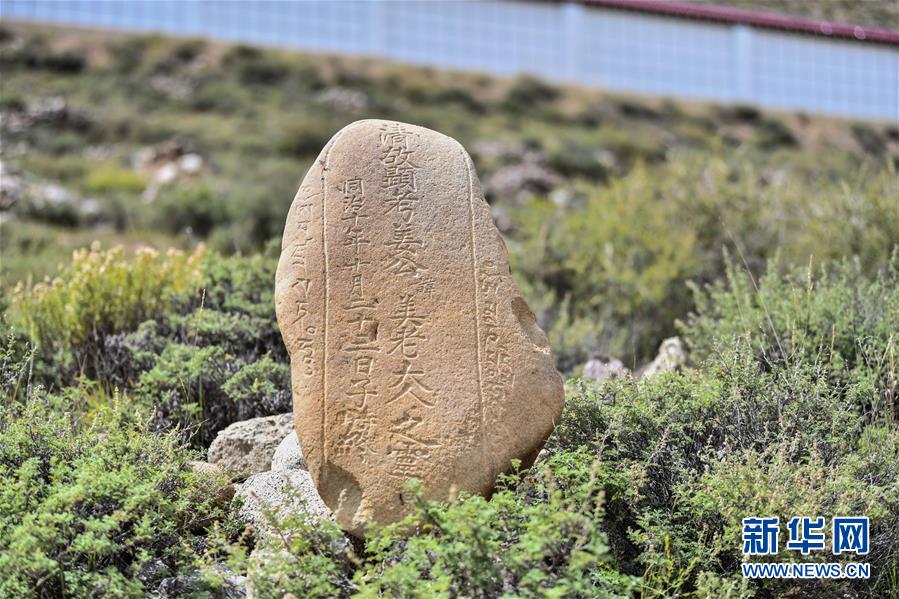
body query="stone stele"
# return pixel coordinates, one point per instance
(413, 353)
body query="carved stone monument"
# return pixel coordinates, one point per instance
(413, 353)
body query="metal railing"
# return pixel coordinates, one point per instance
(596, 45)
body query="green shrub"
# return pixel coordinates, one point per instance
(128, 54)
(99, 294)
(194, 208)
(203, 388)
(461, 97)
(575, 159)
(111, 178)
(537, 536)
(244, 285)
(97, 507)
(621, 259)
(193, 337)
(837, 317)
(622, 255)
(16, 360)
(64, 62)
(305, 136)
(869, 139)
(254, 67)
(773, 133)
(306, 557)
(763, 428)
(188, 50)
(184, 385)
(529, 93)
(741, 113)
(33, 53)
(214, 95)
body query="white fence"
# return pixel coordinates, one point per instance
(561, 41)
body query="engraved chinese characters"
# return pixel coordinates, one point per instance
(413, 354)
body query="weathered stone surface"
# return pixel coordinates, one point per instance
(413, 353)
(289, 455)
(601, 367)
(247, 447)
(281, 494)
(671, 356)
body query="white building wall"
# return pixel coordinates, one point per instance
(606, 48)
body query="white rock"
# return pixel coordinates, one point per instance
(166, 174)
(56, 194)
(601, 367)
(190, 164)
(247, 447)
(672, 356)
(278, 495)
(289, 455)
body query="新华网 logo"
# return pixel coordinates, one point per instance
(848, 535)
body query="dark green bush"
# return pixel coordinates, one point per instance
(461, 97)
(537, 536)
(869, 139)
(63, 62)
(574, 159)
(773, 133)
(203, 390)
(529, 93)
(33, 53)
(214, 95)
(306, 135)
(254, 67)
(192, 207)
(783, 418)
(742, 113)
(835, 317)
(94, 507)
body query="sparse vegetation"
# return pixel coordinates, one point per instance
(766, 241)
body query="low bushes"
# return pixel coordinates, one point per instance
(788, 409)
(101, 293)
(782, 418)
(94, 507)
(194, 336)
(537, 536)
(620, 255)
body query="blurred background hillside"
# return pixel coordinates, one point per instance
(882, 14)
(611, 203)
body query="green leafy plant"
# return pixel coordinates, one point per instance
(99, 294)
(94, 507)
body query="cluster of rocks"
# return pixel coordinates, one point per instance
(523, 172)
(343, 99)
(263, 459)
(53, 111)
(264, 453)
(46, 199)
(176, 87)
(164, 163)
(672, 356)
